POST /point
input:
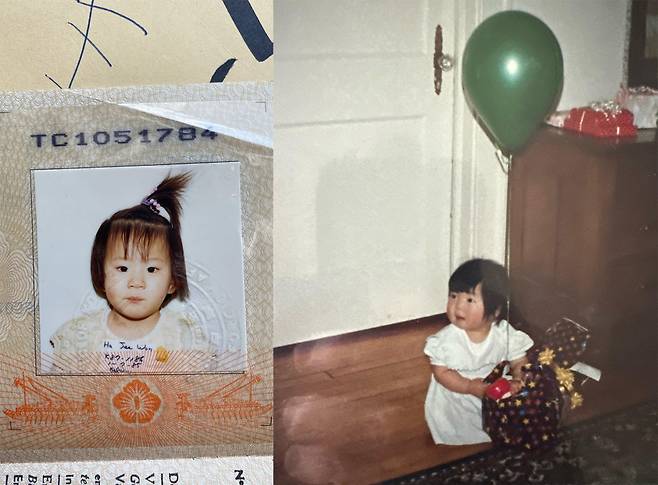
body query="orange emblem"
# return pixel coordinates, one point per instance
(161, 354)
(136, 403)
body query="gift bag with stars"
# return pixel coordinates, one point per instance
(530, 418)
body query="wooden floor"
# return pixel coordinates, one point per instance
(349, 409)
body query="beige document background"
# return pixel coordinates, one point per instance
(62, 438)
(186, 42)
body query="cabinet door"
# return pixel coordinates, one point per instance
(631, 261)
(560, 195)
(583, 240)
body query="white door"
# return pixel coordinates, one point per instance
(363, 169)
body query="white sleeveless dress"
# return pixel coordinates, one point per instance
(454, 418)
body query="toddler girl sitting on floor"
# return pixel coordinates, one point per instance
(466, 350)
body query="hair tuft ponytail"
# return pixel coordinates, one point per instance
(169, 193)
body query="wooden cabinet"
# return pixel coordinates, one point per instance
(584, 240)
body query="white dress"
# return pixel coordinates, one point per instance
(90, 332)
(177, 343)
(454, 418)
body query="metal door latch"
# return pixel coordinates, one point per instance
(442, 62)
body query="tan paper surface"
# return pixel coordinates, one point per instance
(129, 43)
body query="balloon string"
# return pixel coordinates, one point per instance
(505, 161)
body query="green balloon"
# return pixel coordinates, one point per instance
(512, 76)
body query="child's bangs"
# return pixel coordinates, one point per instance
(136, 236)
(466, 277)
(461, 286)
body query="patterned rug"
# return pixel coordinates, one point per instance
(615, 449)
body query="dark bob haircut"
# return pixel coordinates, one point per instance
(495, 285)
(156, 218)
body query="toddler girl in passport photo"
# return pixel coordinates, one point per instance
(138, 267)
(465, 351)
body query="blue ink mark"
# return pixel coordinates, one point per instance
(222, 71)
(84, 43)
(250, 28)
(86, 39)
(115, 13)
(92, 44)
(56, 84)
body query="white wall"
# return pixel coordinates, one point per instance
(592, 35)
(351, 272)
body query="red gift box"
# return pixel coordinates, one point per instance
(601, 122)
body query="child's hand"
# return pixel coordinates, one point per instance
(477, 387)
(516, 385)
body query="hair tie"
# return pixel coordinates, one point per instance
(157, 208)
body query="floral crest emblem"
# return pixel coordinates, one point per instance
(136, 403)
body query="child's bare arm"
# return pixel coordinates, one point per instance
(516, 369)
(455, 382)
